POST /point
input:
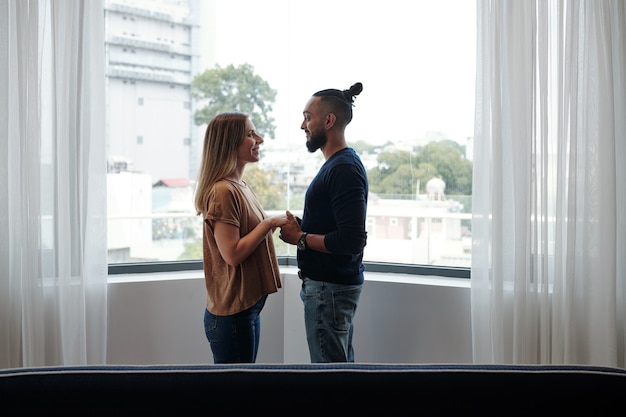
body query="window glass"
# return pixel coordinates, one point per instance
(172, 64)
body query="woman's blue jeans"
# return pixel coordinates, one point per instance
(235, 338)
(329, 311)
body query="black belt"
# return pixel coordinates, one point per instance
(300, 274)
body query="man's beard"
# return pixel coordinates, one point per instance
(316, 141)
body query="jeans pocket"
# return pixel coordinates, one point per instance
(344, 307)
(210, 322)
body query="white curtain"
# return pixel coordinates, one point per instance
(549, 187)
(53, 259)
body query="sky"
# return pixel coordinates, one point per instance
(415, 58)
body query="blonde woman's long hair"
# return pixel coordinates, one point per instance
(222, 138)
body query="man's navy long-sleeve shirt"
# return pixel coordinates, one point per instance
(335, 205)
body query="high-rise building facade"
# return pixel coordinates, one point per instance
(152, 57)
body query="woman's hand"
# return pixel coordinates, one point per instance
(277, 221)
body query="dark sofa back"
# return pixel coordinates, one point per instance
(320, 389)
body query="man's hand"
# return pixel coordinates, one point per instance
(290, 232)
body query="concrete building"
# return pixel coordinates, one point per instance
(152, 55)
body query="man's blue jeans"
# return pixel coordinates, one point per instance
(235, 338)
(329, 311)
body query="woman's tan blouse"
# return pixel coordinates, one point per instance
(234, 289)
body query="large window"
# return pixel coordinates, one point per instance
(412, 126)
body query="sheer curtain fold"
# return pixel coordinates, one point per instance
(53, 267)
(548, 199)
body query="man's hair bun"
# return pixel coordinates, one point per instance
(353, 91)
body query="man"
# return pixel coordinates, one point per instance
(331, 235)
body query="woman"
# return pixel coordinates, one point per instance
(240, 265)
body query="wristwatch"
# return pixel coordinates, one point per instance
(302, 242)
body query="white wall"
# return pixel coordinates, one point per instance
(158, 319)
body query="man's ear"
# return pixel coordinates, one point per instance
(330, 120)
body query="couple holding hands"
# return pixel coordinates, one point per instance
(240, 264)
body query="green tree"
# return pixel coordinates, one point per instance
(235, 89)
(402, 181)
(451, 165)
(394, 173)
(267, 186)
(399, 172)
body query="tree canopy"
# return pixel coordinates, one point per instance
(401, 172)
(234, 89)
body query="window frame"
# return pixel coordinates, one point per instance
(196, 265)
